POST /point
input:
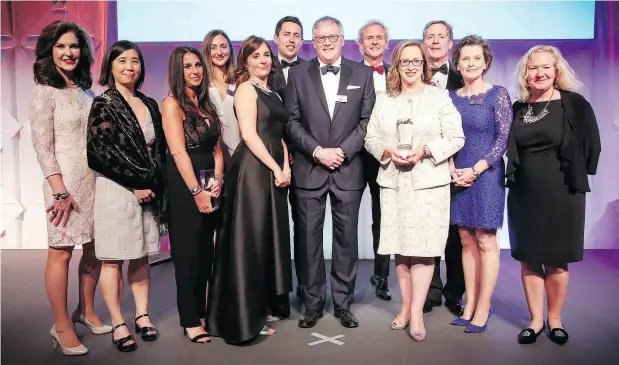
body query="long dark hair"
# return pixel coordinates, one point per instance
(206, 53)
(249, 46)
(176, 80)
(46, 72)
(115, 50)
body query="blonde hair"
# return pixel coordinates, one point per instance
(394, 80)
(565, 76)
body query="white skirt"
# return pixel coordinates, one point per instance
(414, 222)
(124, 228)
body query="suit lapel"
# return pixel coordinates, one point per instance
(279, 74)
(345, 74)
(314, 75)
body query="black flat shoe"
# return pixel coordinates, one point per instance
(347, 319)
(455, 308)
(430, 304)
(196, 339)
(382, 287)
(309, 318)
(528, 335)
(121, 343)
(147, 333)
(558, 335)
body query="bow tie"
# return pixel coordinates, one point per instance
(380, 69)
(289, 64)
(329, 68)
(442, 69)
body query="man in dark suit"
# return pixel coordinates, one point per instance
(329, 100)
(373, 42)
(288, 38)
(438, 38)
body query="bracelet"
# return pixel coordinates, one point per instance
(195, 190)
(60, 196)
(425, 152)
(220, 178)
(474, 171)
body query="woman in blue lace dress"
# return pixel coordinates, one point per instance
(478, 172)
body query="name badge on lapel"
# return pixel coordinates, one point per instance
(342, 98)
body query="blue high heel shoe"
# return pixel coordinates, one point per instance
(460, 322)
(471, 328)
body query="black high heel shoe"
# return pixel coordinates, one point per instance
(558, 335)
(529, 336)
(197, 338)
(147, 333)
(121, 343)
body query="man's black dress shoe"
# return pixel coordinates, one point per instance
(347, 319)
(382, 287)
(309, 318)
(430, 304)
(455, 308)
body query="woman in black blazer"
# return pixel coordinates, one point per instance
(553, 147)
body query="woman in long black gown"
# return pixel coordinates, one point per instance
(252, 274)
(554, 145)
(191, 126)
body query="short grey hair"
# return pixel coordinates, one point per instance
(327, 19)
(369, 24)
(450, 29)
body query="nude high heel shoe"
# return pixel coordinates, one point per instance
(79, 318)
(73, 351)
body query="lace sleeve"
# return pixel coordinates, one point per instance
(42, 125)
(502, 123)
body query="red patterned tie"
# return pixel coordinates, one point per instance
(380, 69)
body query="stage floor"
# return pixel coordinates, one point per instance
(590, 316)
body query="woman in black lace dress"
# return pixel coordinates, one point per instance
(191, 127)
(252, 273)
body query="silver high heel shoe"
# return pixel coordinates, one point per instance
(94, 329)
(418, 336)
(399, 325)
(73, 351)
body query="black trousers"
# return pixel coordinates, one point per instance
(192, 251)
(309, 232)
(454, 286)
(293, 212)
(371, 166)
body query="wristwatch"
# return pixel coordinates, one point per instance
(195, 190)
(60, 196)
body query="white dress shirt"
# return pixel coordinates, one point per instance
(380, 81)
(286, 69)
(439, 79)
(330, 84)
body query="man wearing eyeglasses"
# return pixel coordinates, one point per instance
(329, 100)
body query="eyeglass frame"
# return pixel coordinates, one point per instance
(419, 61)
(324, 38)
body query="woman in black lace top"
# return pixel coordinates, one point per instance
(191, 127)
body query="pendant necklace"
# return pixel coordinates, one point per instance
(529, 117)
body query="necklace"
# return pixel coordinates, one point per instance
(530, 118)
(257, 83)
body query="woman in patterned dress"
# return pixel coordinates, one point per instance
(478, 171)
(414, 188)
(126, 148)
(58, 114)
